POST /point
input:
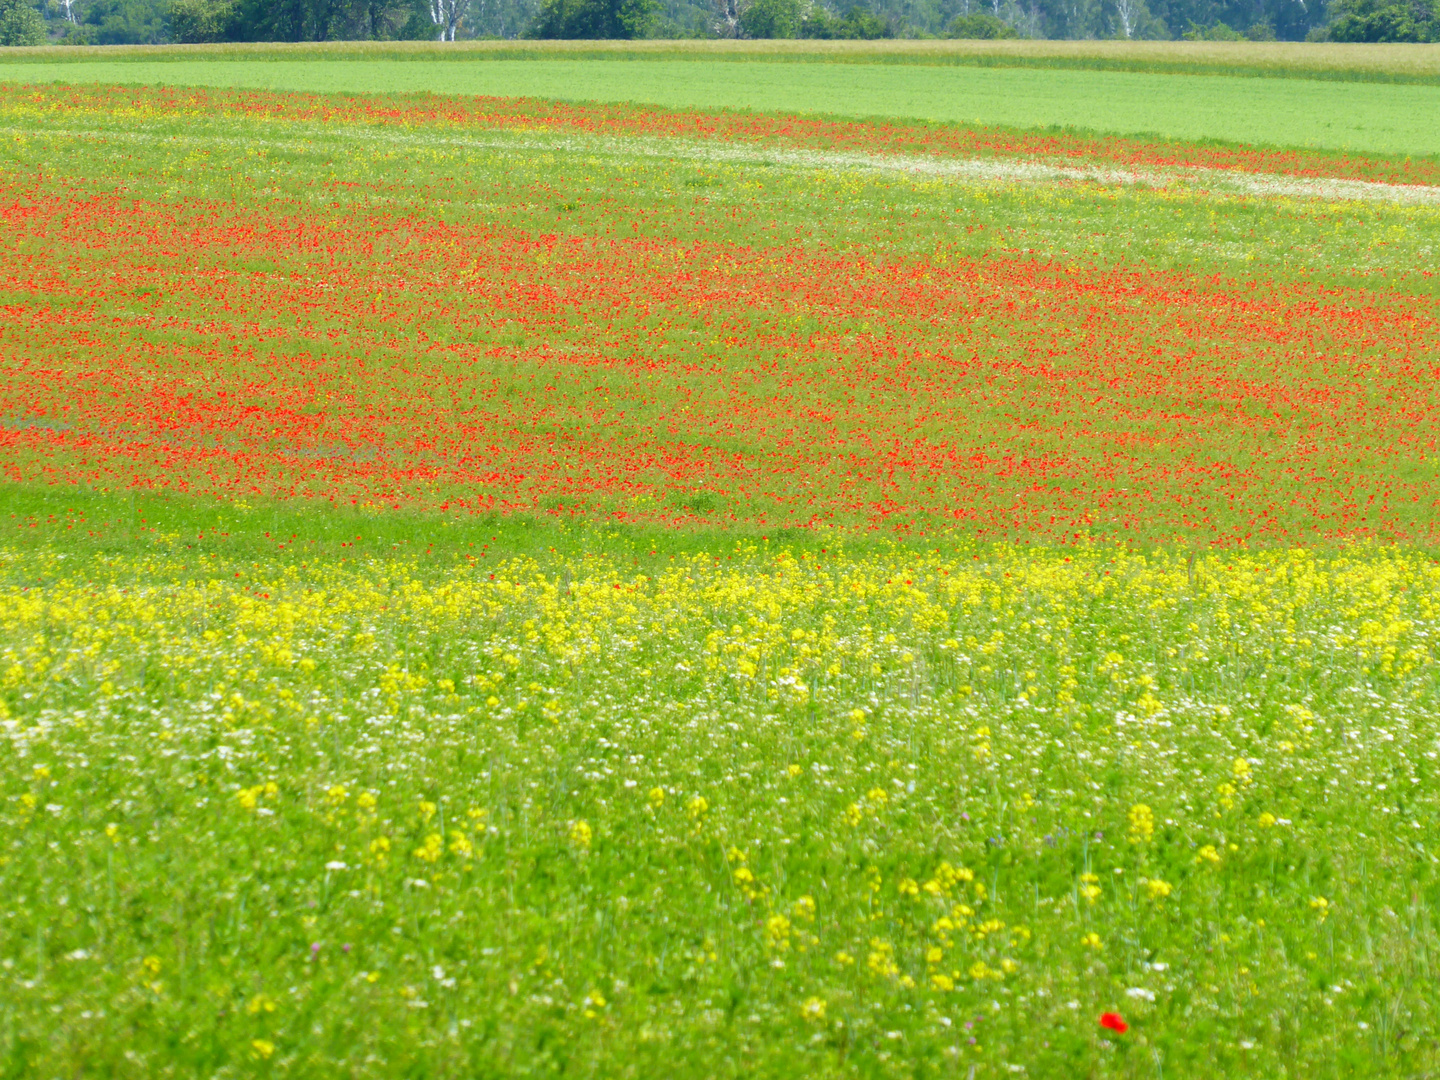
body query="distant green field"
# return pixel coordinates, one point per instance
(1361, 117)
(1390, 63)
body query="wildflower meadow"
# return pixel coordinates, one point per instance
(495, 587)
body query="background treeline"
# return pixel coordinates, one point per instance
(103, 22)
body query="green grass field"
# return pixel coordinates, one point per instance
(1352, 116)
(503, 589)
(1414, 63)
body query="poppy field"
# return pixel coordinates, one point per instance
(500, 587)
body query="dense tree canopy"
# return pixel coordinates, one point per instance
(601, 19)
(982, 25)
(1386, 20)
(146, 21)
(20, 24)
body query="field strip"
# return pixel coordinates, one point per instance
(1360, 118)
(983, 170)
(1401, 62)
(988, 171)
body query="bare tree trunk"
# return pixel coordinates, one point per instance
(446, 14)
(729, 21)
(1127, 10)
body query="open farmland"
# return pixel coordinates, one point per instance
(1351, 109)
(503, 587)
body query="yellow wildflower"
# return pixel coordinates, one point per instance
(580, 834)
(1156, 889)
(777, 932)
(881, 960)
(1142, 823)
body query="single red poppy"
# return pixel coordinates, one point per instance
(1114, 1023)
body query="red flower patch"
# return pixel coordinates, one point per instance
(1114, 1022)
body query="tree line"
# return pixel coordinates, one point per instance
(28, 22)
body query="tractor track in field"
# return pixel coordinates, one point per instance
(976, 170)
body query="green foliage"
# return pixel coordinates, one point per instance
(20, 24)
(196, 21)
(317, 20)
(983, 26)
(1218, 32)
(1385, 20)
(857, 24)
(593, 19)
(1256, 31)
(771, 19)
(126, 22)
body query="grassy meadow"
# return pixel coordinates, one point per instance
(499, 587)
(1387, 63)
(1357, 115)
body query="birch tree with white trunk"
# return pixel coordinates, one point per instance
(1128, 11)
(446, 14)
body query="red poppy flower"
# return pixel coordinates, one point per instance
(1114, 1023)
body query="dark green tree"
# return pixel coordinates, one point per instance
(193, 22)
(325, 20)
(1386, 20)
(123, 22)
(20, 24)
(983, 26)
(857, 24)
(1219, 32)
(770, 19)
(596, 19)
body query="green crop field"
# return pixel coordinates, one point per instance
(508, 586)
(1387, 63)
(1362, 117)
